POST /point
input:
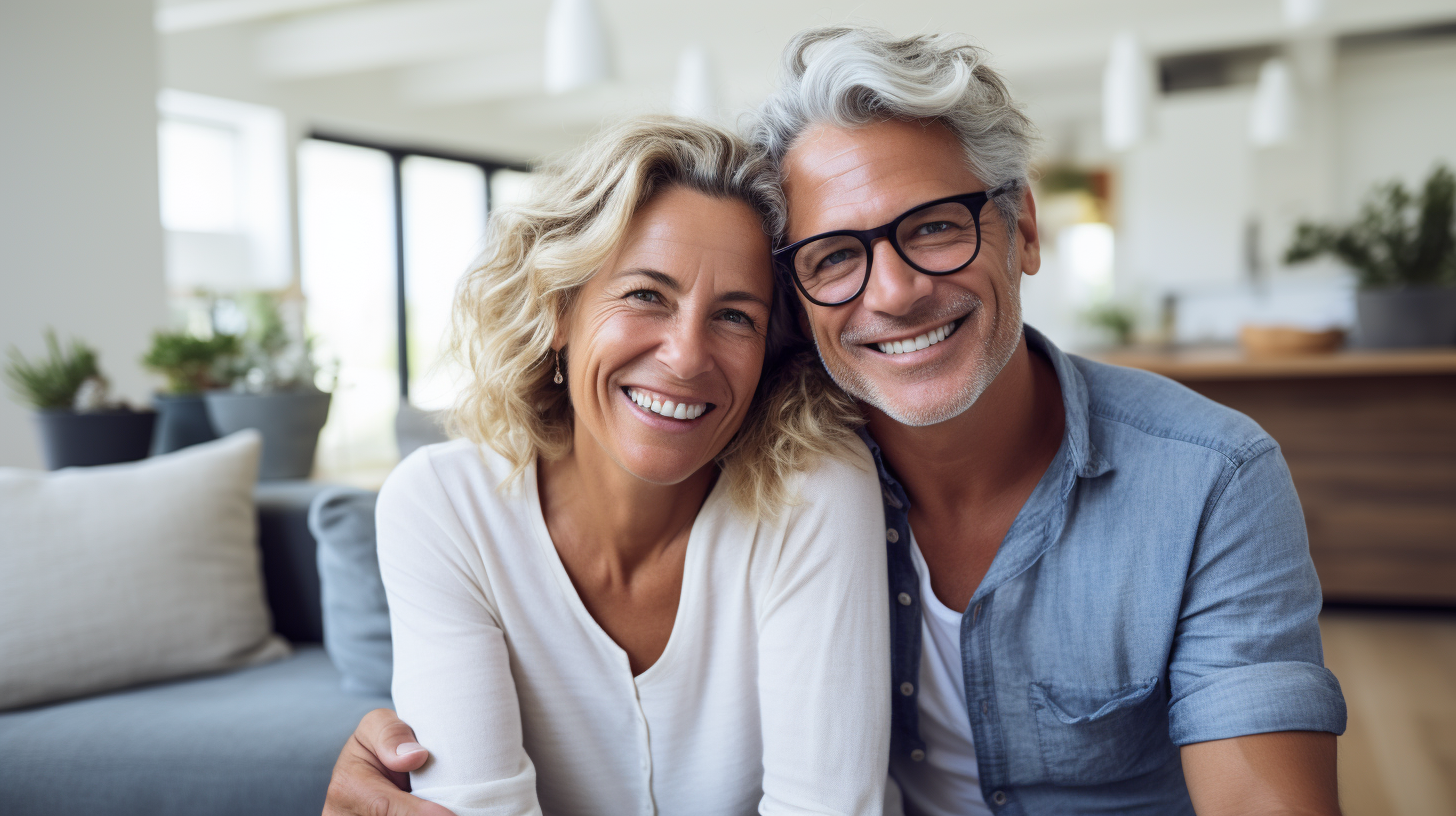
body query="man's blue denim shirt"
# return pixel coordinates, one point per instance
(1156, 590)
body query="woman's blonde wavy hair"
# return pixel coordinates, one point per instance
(540, 254)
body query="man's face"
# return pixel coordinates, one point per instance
(860, 178)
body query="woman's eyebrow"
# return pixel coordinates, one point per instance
(740, 297)
(660, 277)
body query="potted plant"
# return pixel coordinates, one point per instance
(79, 426)
(191, 365)
(273, 390)
(1403, 251)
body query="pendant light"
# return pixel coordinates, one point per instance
(695, 94)
(577, 54)
(1127, 94)
(1274, 110)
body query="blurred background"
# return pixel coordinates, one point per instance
(190, 165)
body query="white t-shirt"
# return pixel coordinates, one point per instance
(771, 696)
(947, 782)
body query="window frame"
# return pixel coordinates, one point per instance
(397, 155)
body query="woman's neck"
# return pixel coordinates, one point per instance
(595, 509)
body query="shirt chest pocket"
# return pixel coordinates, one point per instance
(1092, 735)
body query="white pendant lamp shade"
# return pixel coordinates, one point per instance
(1275, 108)
(576, 46)
(1127, 94)
(1303, 13)
(695, 94)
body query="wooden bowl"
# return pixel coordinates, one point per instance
(1287, 341)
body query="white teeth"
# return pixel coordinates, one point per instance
(667, 408)
(926, 340)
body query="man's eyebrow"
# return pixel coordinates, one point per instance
(662, 278)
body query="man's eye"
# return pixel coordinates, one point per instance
(933, 227)
(837, 257)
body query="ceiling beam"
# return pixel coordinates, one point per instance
(390, 35)
(175, 18)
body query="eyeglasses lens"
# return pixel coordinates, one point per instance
(942, 238)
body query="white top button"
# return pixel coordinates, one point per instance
(892, 535)
(905, 599)
(917, 755)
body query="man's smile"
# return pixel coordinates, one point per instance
(918, 342)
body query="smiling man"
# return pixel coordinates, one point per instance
(1101, 588)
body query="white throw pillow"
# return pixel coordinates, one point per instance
(123, 574)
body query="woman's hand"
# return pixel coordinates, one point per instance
(371, 777)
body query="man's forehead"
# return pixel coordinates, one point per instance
(832, 172)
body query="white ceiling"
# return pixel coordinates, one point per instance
(468, 73)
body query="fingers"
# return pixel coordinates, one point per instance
(358, 788)
(371, 777)
(391, 741)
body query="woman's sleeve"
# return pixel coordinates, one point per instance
(824, 651)
(452, 677)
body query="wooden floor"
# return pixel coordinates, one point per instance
(1398, 672)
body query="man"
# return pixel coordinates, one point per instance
(1103, 597)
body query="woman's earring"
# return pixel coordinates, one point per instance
(557, 378)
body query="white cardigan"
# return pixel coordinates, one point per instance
(772, 694)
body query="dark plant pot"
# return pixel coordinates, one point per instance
(289, 421)
(71, 439)
(181, 421)
(1407, 317)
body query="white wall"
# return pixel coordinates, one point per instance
(80, 239)
(1187, 195)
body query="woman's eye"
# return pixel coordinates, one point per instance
(645, 295)
(735, 316)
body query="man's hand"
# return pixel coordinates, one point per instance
(371, 777)
(1285, 772)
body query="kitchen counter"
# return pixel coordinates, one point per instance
(1370, 438)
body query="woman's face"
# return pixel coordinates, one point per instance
(665, 344)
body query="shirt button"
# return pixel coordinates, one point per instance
(892, 535)
(907, 689)
(905, 599)
(998, 798)
(917, 755)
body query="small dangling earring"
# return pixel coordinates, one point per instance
(557, 378)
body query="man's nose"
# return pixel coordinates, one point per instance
(894, 286)
(684, 349)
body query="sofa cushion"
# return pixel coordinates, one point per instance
(356, 614)
(123, 574)
(257, 741)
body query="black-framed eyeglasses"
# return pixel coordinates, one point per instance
(936, 238)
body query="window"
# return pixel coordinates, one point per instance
(224, 194)
(377, 307)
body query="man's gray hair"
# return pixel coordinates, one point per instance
(850, 76)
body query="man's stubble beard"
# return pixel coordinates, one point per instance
(995, 352)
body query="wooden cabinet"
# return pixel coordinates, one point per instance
(1370, 438)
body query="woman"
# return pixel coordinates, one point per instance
(650, 580)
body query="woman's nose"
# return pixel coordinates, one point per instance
(684, 349)
(894, 286)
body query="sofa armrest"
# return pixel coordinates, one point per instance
(290, 561)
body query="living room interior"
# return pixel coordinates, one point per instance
(243, 220)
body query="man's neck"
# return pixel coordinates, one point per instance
(1005, 439)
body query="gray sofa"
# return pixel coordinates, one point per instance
(261, 740)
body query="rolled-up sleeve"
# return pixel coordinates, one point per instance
(1247, 657)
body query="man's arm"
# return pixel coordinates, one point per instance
(1284, 772)
(371, 777)
(1253, 707)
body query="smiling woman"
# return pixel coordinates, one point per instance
(651, 578)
